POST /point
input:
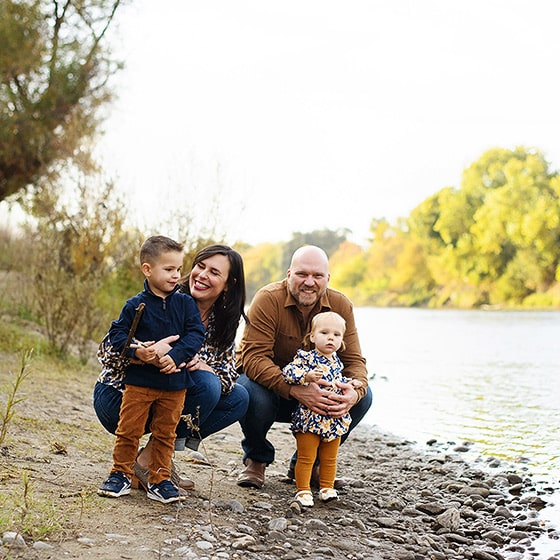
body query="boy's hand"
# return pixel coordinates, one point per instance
(167, 365)
(160, 348)
(146, 354)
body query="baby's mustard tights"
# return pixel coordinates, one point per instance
(307, 446)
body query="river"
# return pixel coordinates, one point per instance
(488, 377)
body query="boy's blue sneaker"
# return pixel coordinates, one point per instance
(118, 484)
(165, 492)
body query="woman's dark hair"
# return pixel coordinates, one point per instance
(230, 305)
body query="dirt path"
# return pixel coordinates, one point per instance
(398, 504)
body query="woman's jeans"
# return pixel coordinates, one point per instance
(210, 410)
(266, 407)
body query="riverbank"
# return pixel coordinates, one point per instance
(398, 504)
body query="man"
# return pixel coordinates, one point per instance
(279, 318)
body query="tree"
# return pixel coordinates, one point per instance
(262, 265)
(74, 254)
(329, 240)
(495, 240)
(54, 70)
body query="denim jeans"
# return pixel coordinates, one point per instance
(266, 407)
(211, 410)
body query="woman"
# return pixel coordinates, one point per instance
(214, 400)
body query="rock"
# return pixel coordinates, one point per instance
(40, 545)
(450, 519)
(11, 538)
(431, 508)
(278, 524)
(243, 542)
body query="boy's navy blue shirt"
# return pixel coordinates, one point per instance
(175, 314)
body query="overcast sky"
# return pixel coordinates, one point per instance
(312, 114)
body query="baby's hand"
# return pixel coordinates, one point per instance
(313, 376)
(356, 384)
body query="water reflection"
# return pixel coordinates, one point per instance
(492, 378)
(488, 377)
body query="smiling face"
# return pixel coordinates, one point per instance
(164, 272)
(308, 276)
(208, 279)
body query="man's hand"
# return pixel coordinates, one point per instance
(320, 398)
(312, 396)
(340, 404)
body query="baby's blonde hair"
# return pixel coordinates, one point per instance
(315, 325)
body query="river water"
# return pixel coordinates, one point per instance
(488, 377)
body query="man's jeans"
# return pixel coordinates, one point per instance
(266, 407)
(209, 409)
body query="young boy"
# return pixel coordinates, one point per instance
(154, 385)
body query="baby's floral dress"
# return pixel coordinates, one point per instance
(303, 418)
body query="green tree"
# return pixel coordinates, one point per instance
(75, 253)
(262, 264)
(329, 240)
(496, 239)
(54, 68)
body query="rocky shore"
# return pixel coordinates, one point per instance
(398, 504)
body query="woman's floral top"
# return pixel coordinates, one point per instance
(303, 418)
(223, 363)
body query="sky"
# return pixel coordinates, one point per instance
(274, 117)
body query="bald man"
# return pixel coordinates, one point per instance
(279, 318)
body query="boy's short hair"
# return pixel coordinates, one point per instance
(154, 246)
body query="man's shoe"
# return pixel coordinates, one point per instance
(339, 483)
(118, 484)
(252, 476)
(164, 491)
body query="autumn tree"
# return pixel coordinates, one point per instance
(329, 240)
(496, 239)
(262, 265)
(54, 69)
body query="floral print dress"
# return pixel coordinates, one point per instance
(303, 418)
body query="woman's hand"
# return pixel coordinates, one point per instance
(196, 363)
